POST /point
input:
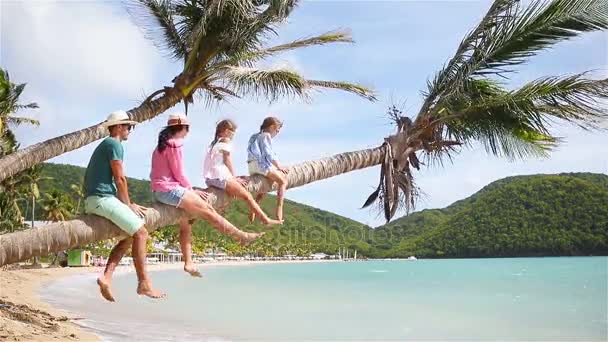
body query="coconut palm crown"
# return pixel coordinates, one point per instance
(467, 101)
(219, 43)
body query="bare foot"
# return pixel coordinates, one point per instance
(251, 216)
(145, 289)
(249, 238)
(193, 271)
(104, 288)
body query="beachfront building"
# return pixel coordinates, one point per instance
(318, 256)
(79, 258)
(164, 256)
(215, 255)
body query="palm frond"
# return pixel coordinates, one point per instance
(345, 86)
(499, 12)
(258, 27)
(250, 57)
(538, 27)
(275, 83)
(508, 36)
(275, 12)
(31, 105)
(16, 121)
(157, 20)
(270, 84)
(514, 123)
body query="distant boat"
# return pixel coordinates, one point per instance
(412, 258)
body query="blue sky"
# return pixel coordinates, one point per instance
(85, 59)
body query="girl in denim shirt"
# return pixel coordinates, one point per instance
(263, 161)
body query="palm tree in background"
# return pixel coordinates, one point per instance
(78, 193)
(9, 105)
(220, 44)
(11, 217)
(465, 103)
(57, 206)
(33, 178)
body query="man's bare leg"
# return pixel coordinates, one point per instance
(105, 280)
(185, 242)
(144, 286)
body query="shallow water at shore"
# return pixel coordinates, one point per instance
(480, 299)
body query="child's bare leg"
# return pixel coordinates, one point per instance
(185, 242)
(279, 178)
(235, 189)
(194, 204)
(258, 200)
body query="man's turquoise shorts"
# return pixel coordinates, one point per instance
(114, 210)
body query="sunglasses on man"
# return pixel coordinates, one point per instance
(129, 127)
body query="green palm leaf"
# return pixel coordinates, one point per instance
(346, 86)
(508, 36)
(323, 39)
(16, 121)
(538, 27)
(271, 84)
(156, 18)
(515, 123)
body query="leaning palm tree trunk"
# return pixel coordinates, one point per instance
(38, 153)
(87, 229)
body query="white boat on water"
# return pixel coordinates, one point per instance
(412, 258)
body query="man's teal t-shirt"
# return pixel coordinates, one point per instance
(98, 179)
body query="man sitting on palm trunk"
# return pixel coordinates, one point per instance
(107, 195)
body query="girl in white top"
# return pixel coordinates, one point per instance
(218, 170)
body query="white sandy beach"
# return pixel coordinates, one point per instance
(24, 316)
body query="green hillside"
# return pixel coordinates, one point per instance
(306, 229)
(564, 214)
(538, 215)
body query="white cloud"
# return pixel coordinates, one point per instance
(88, 49)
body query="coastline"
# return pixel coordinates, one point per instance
(25, 316)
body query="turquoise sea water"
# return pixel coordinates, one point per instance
(476, 299)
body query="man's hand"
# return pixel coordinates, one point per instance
(138, 209)
(203, 194)
(243, 181)
(284, 170)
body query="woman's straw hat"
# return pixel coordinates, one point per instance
(178, 119)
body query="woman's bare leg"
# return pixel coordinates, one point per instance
(279, 178)
(185, 243)
(235, 189)
(194, 205)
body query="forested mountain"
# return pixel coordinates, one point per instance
(536, 215)
(564, 214)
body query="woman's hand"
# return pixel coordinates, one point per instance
(203, 194)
